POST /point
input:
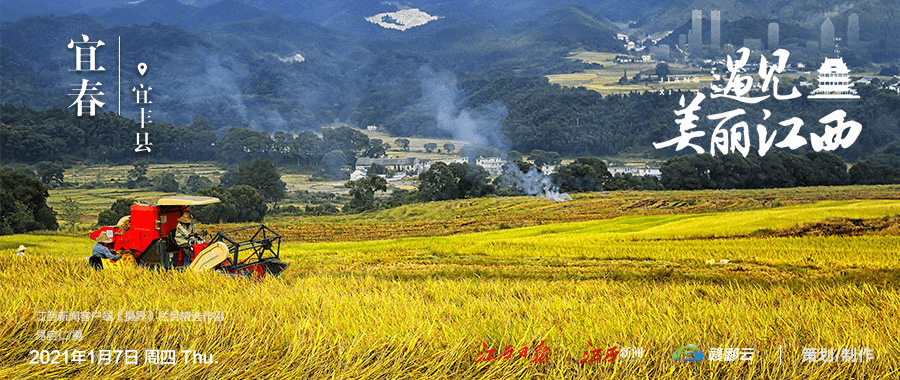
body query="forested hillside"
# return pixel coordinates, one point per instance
(468, 74)
(571, 121)
(267, 72)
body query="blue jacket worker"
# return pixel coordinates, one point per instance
(101, 251)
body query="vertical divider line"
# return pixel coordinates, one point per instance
(120, 75)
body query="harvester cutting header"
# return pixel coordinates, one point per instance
(163, 236)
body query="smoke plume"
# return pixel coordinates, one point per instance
(480, 126)
(536, 183)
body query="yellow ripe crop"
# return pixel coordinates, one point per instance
(425, 306)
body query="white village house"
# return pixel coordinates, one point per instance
(635, 170)
(493, 165)
(411, 165)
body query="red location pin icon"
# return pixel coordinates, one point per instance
(142, 68)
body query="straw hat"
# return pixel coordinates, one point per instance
(124, 222)
(186, 217)
(103, 238)
(21, 248)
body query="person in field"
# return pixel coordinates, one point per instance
(186, 235)
(101, 251)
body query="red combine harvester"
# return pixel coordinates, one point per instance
(147, 238)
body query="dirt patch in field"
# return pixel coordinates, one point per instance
(886, 226)
(843, 227)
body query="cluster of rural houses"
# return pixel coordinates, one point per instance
(413, 166)
(635, 170)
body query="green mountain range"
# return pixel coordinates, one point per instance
(274, 65)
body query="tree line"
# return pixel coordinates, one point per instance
(54, 138)
(775, 169)
(580, 122)
(246, 191)
(571, 121)
(590, 174)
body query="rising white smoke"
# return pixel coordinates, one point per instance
(536, 183)
(481, 127)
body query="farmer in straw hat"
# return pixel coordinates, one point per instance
(21, 250)
(186, 235)
(101, 251)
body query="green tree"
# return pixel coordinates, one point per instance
(263, 176)
(121, 207)
(26, 143)
(584, 174)
(472, 181)
(281, 144)
(376, 149)
(347, 140)
(541, 158)
(525, 166)
(319, 210)
(771, 172)
(472, 151)
(828, 169)
(800, 169)
(196, 182)
(363, 191)
(137, 176)
(334, 162)
(165, 182)
(308, 148)
(71, 213)
(200, 140)
(240, 145)
(699, 171)
(438, 183)
(227, 179)
(402, 144)
(626, 181)
(738, 171)
(23, 204)
(138, 171)
(430, 147)
(398, 198)
(249, 203)
(16, 218)
(624, 78)
(239, 203)
(449, 148)
(454, 181)
(662, 71)
(223, 212)
(867, 173)
(50, 173)
(508, 183)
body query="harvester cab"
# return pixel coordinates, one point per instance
(147, 238)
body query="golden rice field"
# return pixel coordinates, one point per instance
(605, 80)
(426, 306)
(485, 214)
(82, 174)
